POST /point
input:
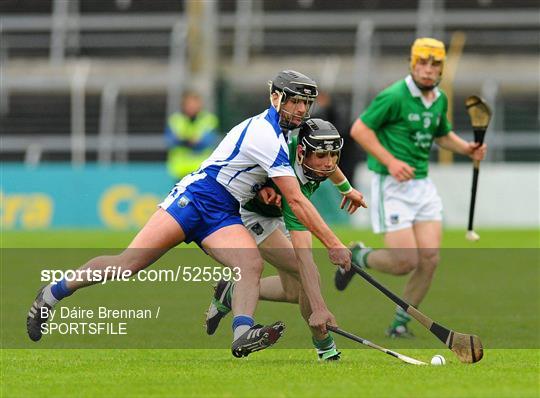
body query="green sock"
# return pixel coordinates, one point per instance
(324, 346)
(356, 257)
(365, 256)
(359, 256)
(224, 306)
(401, 318)
(228, 296)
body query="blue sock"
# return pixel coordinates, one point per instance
(241, 324)
(242, 320)
(60, 290)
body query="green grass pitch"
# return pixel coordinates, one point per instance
(500, 303)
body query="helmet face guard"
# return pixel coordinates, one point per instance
(287, 117)
(292, 85)
(318, 137)
(427, 48)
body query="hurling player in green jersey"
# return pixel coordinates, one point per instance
(397, 131)
(286, 243)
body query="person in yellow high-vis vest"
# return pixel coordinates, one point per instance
(191, 136)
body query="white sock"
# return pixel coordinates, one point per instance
(240, 330)
(48, 296)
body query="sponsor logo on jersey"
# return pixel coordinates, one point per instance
(183, 202)
(414, 117)
(422, 139)
(257, 229)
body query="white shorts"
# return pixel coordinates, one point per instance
(398, 205)
(261, 227)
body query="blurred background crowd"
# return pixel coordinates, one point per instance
(108, 81)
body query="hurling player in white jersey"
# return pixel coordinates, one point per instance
(204, 208)
(286, 243)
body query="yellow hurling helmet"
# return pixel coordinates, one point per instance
(426, 48)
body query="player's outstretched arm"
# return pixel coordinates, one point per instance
(308, 215)
(455, 143)
(310, 280)
(354, 198)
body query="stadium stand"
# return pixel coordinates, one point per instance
(126, 46)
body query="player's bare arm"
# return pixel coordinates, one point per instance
(308, 215)
(354, 198)
(455, 143)
(310, 280)
(367, 138)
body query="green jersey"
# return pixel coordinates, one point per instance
(405, 126)
(306, 186)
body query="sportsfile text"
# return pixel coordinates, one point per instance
(114, 273)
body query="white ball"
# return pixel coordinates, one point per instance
(438, 360)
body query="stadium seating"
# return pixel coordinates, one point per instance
(133, 38)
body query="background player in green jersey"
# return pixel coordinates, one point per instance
(397, 130)
(314, 154)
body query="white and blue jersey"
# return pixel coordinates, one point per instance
(210, 198)
(250, 153)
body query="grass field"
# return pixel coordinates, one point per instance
(491, 238)
(492, 292)
(274, 373)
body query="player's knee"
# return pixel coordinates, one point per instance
(258, 266)
(292, 295)
(406, 264)
(133, 261)
(252, 268)
(295, 275)
(429, 259)
(290, 281)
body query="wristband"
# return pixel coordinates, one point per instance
(344, 187)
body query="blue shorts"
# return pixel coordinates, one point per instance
(201, 206)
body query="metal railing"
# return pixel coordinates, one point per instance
(35, 146)
(252, 21)
(65, 26)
